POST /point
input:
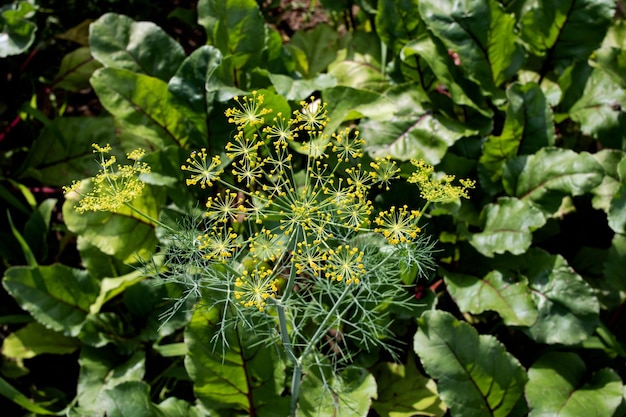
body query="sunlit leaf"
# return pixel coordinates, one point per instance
(461, 90)
(128, 399)
(604, 193)
(57, 296)
(17, 33)
(349, 392)
(559, 385)
(568, 310)
(143, 106)
(124, 234)
(76, 69)
(508, 227)
(404, 392)
(246, 376)
(475, 374)
(507, 295)
(601, 110)
(550, 174)
(481, 34)
(528, 127)
(188, 85)
(565, 30)
(235, 27)
(617, 209)
(117, 41)
(101, 369)
(35, 339)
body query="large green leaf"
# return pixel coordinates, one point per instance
(301, 89)
(413, 132)
(528, 127)
(57, 296)
(235, 27)
(611, 57)
(508, 227)
(604, 193)
(346, 103)
(101, 369)
(427, 136)
(601, 110)
(246, 376)
(505, 294)
(565, 30)
(617, 208)
(59, 155)
(481, 34)
(404, 392)
(568, 310)
(476, 375)
(347, 393)
(143, 47)
(461, 90)
(559, 386)
(615, 261)
(143, 106)
(128, 399)
(397, 23)
(546, 177)
(35, 339)
(319, 47)
(124, 234)
(188, 86)
(75, 71)
(17, 33)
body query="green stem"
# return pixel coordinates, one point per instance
(297, 364)
(148, 217)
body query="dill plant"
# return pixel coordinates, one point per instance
(291, 249)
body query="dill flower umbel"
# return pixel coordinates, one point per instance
(438, 190)
(204, 170)
(114, 185)
(255, 287)
(250, 111)
(398, 225)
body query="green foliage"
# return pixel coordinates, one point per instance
(524, 314)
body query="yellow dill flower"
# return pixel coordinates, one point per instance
(219, 244)
(384, 171)
(280, 132)
(113, 186)
(355, 214)
(226, 207)
(249, 112)
(308, 259)
(345, 263)
(398, 225)
(204, 172)
(243, 147)
(359, 180)
(266, 245)
(438, 190)
(348, 145)
(313, 115)
(253, 289)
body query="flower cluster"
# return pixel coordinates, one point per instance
(115, 185)
(304, 196)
